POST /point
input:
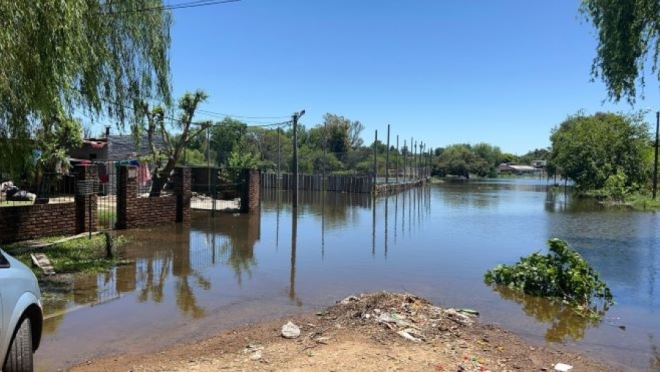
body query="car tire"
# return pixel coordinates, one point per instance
(20, 356)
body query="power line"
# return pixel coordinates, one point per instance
(280, 124)
(201, 123)
(220, 114)
(192, 4)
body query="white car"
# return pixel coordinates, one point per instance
(20, 313)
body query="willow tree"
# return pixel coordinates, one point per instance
(87, 56)
(628, 40)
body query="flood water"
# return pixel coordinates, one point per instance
(188, 283)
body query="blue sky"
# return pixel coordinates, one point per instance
(503, 72)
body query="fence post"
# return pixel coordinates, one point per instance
(126, 195)
(251, 198)
(183, 193)
(86, 206)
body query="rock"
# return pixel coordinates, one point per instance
(290, 330)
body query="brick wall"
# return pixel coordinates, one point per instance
(36, 221)
(134, 212)
(42, 220)
(251, 198)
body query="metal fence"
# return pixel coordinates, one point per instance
(46, 188)
(212, 191)
(106, 203)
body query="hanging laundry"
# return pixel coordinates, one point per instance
(143, 174)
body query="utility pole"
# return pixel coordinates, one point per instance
(376, 159)
(655, 163)
(279, 158)
(295, 117)
(422, 151)
(405, 161)
(414, 163)
(325, 153)
(398, 158)
(387, 157)
(208, 155)
(412, 160)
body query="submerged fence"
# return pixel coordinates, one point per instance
(313, 182)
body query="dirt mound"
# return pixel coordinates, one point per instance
(369, 332)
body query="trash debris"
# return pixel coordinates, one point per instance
(394, 319)
(408, 336)
(468, 311)
(458, 317)
(563, 367)
(322, 340)
(290, 330)
(256, 355)
(348, 300)
(252, 348)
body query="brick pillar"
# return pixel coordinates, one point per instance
(183, 194)
(251, 191)
(126, 195)
(86, 172)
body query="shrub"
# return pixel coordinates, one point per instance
(562, 274)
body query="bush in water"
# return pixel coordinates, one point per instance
(562, 274)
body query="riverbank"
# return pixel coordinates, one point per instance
(373, 332)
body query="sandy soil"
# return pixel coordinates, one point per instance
(373, 332)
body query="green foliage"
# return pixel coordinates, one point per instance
(615, 186)
(78, 255)
(238, 160)
(105, 215)
(530, 156)
(97, 57)
(628, 34)
(643, 202)
(561, 274)
(464, 160)
(590, 149)
(193, 157)
(54, 139)
(225, 136)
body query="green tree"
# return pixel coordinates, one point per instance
(590, 149)
(98, 57)
(511, 158)
(339, 124)
(153, 123)
(456, 160)
(463, 160)
(628, 34)
(54, 139)
(225, 135)
(536, 154)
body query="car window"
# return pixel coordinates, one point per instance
(3, 261)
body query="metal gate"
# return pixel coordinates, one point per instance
(107, 196)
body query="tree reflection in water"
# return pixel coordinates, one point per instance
(240, 257)
(565, 322)
(154, 285)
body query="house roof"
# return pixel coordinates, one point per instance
(122, 147)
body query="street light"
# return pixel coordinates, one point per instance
(295, 117)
